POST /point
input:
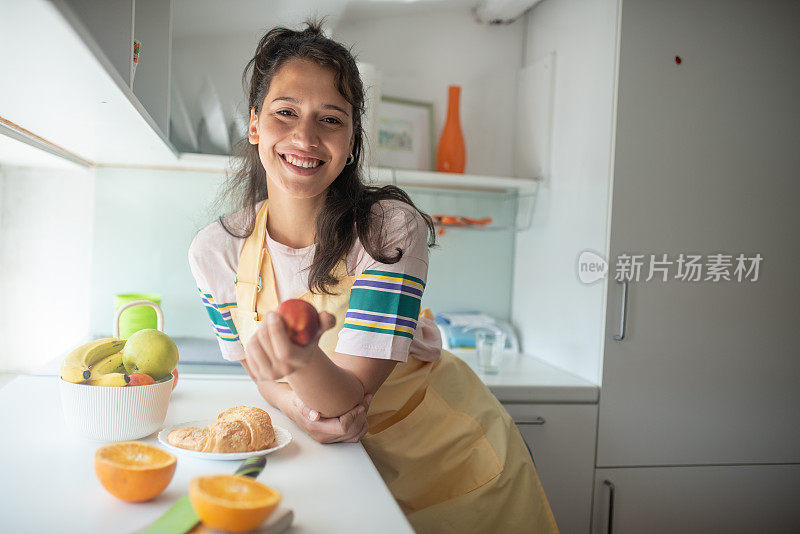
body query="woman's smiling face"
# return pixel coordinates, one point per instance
(304, 131)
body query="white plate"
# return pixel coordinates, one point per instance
(213, 135)
(282, 438)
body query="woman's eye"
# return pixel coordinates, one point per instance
(290, 113)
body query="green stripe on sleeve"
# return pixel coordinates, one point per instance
(386, 302)
(216, 317)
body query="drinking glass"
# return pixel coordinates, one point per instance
(489, 347)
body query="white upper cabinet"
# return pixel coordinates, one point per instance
(114, 25)
(60, 84)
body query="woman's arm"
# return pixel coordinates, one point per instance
(349, 427)
(330, 387)
(334, 386)
(275, 393)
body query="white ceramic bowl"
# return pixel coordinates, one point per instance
(107, 413)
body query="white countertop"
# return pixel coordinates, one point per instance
(48, 482)
(523, 378)
(330, 488)
(526, 379)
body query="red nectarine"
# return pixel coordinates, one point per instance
(301, 320)
(141, 379)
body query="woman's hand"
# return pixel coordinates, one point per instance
(270, 353)
(349, 427)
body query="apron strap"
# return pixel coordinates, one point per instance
(248, 274)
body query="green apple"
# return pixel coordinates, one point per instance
(150, 351)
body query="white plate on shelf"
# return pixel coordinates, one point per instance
(213, 137)
(282, 439)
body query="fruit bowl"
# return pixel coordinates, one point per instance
(115, 413)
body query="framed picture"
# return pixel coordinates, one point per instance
(405, 134)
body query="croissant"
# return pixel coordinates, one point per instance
(238, 429)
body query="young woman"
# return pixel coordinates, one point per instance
(307, 227)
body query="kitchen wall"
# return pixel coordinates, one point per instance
(45, 263)
(144, 222)
(560, 319)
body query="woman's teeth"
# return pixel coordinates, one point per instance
(304, 163)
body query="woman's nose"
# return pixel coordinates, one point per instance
(305, 132)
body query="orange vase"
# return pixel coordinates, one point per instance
(451, 156)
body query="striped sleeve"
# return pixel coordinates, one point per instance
(385, 299)
(385, 302)
(220, 315)
(213, 257)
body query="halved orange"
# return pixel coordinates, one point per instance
(134, 471)
(232, 503)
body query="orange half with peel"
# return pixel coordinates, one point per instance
(134, 471)
(232, 503)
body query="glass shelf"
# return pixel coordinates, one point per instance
(509, 202)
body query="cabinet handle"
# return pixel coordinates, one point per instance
(536, 421)
(623, 311)
(611, 491)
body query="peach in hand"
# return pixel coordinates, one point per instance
(301, 320)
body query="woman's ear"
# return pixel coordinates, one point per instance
(252, 129)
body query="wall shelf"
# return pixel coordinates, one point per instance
(509, 201)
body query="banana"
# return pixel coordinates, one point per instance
(100, 348)
(109, 364)
(110, 379)
(73, 371)
(75, 367)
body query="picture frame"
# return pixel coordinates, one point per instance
(405, 135)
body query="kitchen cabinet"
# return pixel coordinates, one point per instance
(561, 438)
(64, 86)
(697, 500)
(112, 26)
(706, 161)
(704, 373)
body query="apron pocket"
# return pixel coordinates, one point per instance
(432, 455)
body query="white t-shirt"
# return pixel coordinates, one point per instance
(382, 318)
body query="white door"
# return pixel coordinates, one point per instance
(697, 500)
(707, 161)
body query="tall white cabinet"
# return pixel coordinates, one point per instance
(697, 427)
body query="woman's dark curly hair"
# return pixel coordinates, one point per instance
(347, 211)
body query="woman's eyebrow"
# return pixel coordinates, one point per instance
(296, 101)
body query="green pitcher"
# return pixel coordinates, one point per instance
(137, 311)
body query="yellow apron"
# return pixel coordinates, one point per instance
(446, 448)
